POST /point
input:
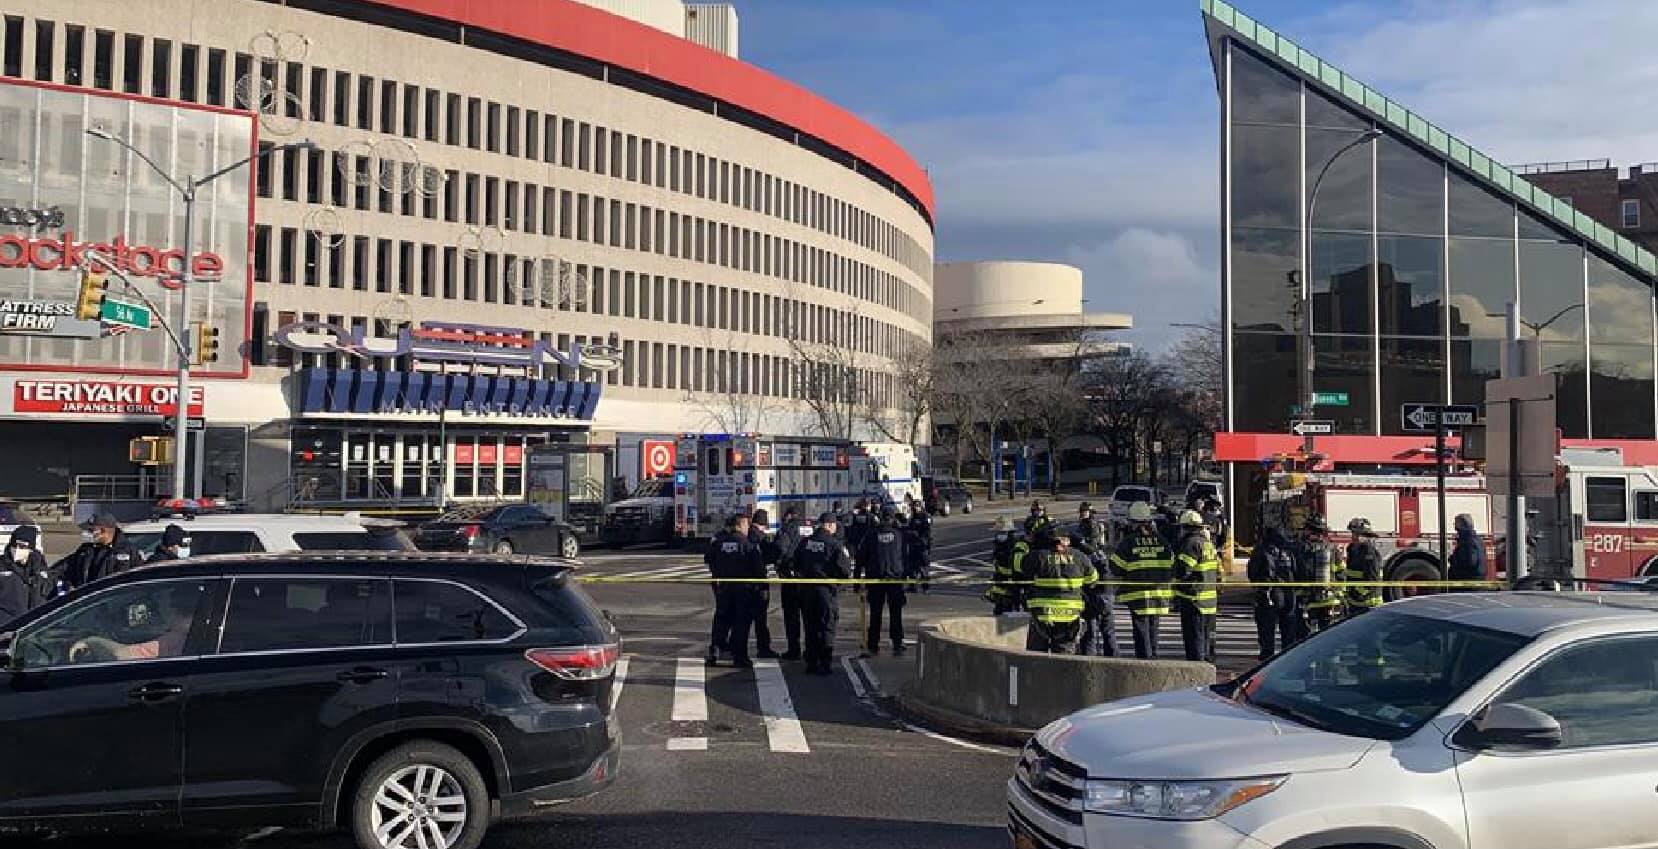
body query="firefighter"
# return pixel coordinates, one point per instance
(1276, 610)
(1319, 603)
(1145, 565)
(1005, 594)
(1364, 564)
(1099, 633)
(1058, 576)
(1037, 520)
(821, 556)
(1092, 530)
(1196, 593)
(1215, 518)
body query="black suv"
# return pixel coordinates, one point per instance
(409, 698)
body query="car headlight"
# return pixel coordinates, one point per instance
(1176, 800)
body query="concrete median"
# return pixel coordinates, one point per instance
(974, 676)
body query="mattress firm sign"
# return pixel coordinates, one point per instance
(66, 202)
(102, 398)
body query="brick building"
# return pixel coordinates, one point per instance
(1625, 201)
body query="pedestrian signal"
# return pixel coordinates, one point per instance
(151, 450)
(206, 345)
(90, 304)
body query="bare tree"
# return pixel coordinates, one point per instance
(728, 402)
(915, 383)
(1196, 363)
(1054, 410)
(1120, 390)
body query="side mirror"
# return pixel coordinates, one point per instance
(1510, 725)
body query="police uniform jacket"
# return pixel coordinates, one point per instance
(93, 561)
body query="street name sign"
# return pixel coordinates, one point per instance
(1426, 417)
(136, 316)
(1330, 399)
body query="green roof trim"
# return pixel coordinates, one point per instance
(1408, 123)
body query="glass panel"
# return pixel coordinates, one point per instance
(1264, 387)
(1412, 370)
(1621, 384)
(144, 621)
(1264, 295)
(1473, 362)
(1551, 290)
(1326, 113)
(1566, 359)
(1605, 500)
(1346, 364)
(1600, 693)
(1261, 93)
(275, 614)
(1620, 307)
(1532, 227)
(1410, 190)
(1482, 284)
(1342, 199)
(432, 612)
(1410, 284)
(1341, 290)
(1477, 212)
(1264, 186)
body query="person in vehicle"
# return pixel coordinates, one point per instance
(25, 580)
(109, 552)
(157, 614)
(175, 545)
(1468, 556)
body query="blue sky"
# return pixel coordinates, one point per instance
(1085, 131)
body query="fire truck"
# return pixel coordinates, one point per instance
(1602, 522)
(1403, 510)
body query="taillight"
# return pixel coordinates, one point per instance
(576, 663)
(470, 531)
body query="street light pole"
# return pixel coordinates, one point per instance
(1309, 396)
(187, 191)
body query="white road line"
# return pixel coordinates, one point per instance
(874, 683)
(690, 702)
(783, 729)
(687, 744)
(663, 572)
(852, 675)
(621, 678)
(954, 742)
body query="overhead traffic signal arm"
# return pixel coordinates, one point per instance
(90, 304)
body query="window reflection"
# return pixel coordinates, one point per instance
(1326, 113)
(1262, 93)
(1410, 190)
(1263, 173)
(1477, 212)
(1620, 307)
(1346, 364)
(1482, 285)
(1566, 360)
(1264, 294)
(1473, 362)
(1410, 285)
(1341, 289)
(1264, 368)
(1412, 370)
(1621, 384)
(1343, 201)
(1551, 290)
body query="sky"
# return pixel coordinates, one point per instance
(1086, 131)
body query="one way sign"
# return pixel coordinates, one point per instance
(1312, 427)
(1426, 417)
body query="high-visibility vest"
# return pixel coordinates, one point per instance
(1056, 586)
(1197, 574)
(1009, 559)
(1146, 566)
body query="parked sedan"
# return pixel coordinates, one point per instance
(499, 529)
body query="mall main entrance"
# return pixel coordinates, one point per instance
(419, 466)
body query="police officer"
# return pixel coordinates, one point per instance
(1099, 632)
(788, 542)
(1037, 520)
(731, 556)
(1196, 587)
(1364, 565)
(1468, 556)
(1321, 602)
(1276, 610)
(759, 533)
(25, 580)
(175, 545)
(1145, 566)
(1058, 576)
(1005, 593)
(859, 525)
(882, 558)
(109, 552)
(821, 556)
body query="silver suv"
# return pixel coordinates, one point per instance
(1491, 721)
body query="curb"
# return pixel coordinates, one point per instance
(959, 724)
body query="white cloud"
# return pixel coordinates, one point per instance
(1156, 275)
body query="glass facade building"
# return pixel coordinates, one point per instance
(1402, 247)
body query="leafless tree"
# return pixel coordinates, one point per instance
(1054, 411)
(1196, 363)
(727, 402)
(1120, 391)
(915, 381)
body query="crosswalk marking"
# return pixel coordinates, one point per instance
(783, 730)
(621, 679)
(690, 701)
(687, 744)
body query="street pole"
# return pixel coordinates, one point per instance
(1309, 396)
(1517, 560)
(1439, 480)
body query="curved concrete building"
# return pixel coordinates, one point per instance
(498, 187)
(1034, 307)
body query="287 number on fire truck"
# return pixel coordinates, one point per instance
(1606, 543)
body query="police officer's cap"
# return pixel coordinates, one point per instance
(103, 520)
(731, 521)
(888, 513)
(826, 518)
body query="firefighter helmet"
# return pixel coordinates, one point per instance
(1139, 511)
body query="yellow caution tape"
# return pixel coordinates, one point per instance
(820, 582)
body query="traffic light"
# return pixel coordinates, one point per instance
(206, 347)
(151, 450)
(94, 285)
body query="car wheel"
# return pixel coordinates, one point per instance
(569, 546)
(945, 510)
(503, 547)
(1651, 568)
(968, 507)
(420, 795)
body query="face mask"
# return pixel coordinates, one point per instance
(20, 555)
(183, 551)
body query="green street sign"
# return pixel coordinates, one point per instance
(1330, 399)
(120, 312)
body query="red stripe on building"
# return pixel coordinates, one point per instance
(1236, 447)
(615, 40)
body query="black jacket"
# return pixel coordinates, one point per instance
(882, 553)
(788, 541)
(767, 544)
(821, 555)
(731, 555)
(23, 586)
(1467, 558)
(93, 561)
(1273, 563)
(857, 530)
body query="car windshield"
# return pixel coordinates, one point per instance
(1131, 495)
(1381, 675)
(471, 513)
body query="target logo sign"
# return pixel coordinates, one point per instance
(656, 458)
